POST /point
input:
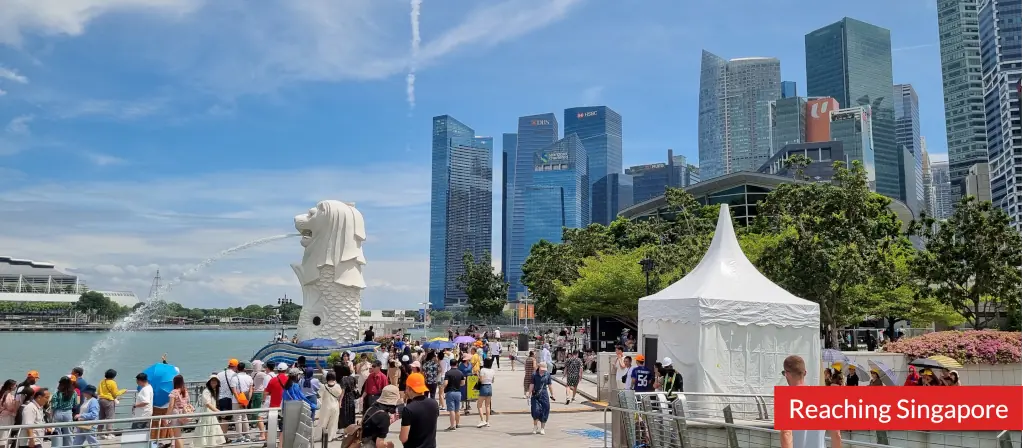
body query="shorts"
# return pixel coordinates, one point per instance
(224, 404)
(486, 390)
(256, 402)
(453, 400)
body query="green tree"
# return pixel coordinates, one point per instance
(486, 290)
(797, 163)
(971, 261)
(97, 304)
(829, 235)
(547, 264)
(892, 292)
(610, 285)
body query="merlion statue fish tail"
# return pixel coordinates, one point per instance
(331, 272)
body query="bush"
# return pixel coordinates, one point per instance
(967, 347)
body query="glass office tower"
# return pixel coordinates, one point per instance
(460, 205)
(599, 128)
(908, 138)
(788, 89)
(962, 90)
(559, 195)
(536, 133)
(508, 165)
(851, 61)
(853, 128)
(733, 126)
(788, 121)
(942, 201)
(1000, 30)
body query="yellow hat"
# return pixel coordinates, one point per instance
(837, 365)
(927, 372)
(851, 367)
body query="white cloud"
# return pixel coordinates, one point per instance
(116, 234)
(19, 125)
(122, 110)
(3, 92)
(62, 17)
(100, 159)
(9, 74)
(231, 48)
(938, 157)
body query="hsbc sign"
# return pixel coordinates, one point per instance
(581, 115)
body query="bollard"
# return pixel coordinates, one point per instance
(734, 441)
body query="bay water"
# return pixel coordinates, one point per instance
(196, 353)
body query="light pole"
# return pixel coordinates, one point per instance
(426, 316)
(281, 301)
(647, 265)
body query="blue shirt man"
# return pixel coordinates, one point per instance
(641, 378)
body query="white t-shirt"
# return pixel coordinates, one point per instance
(619, 373)
(497, 334)
(144, 395)
(240, 382)
(486, 376)
(261, 381)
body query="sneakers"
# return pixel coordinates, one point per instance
(535, 429)
(487, 423)
(566, 401)
(450, 428)
(541, 431)
(481, 424)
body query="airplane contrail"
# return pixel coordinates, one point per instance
(410, 79)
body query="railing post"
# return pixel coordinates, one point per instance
(272, 428)
(1005, 441)
(679, 411)
(881, 437)
(734, 441)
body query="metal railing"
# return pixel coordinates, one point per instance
(649, 420)
(244, 427)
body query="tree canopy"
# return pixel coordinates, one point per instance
(486, 290)
(834, 243)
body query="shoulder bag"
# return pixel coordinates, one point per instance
(243, 400)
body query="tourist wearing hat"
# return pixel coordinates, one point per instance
(851, 378)
(641, 378)
(928, 378)
(540, 401)
(419, 418)
(30, 380)
(672, 380)
(85, 435)
(379, 417)
(876, 379)
(208, 432)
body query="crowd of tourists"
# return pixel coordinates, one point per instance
(834, 376)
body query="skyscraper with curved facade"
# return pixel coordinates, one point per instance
(733, 121)
(460, 205)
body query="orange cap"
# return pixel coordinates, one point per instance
(33, 374)
(73, 377)
(639, 358)
(233, 362)
(417, 383)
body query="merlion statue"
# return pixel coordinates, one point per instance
(331, 272)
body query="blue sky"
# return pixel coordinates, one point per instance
(137, 134)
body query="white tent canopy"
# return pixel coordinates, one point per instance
(727, 327)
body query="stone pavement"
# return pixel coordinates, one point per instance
(578, 424)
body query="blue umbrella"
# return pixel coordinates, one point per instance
(161, 377)
(438, 345)
(831, 356)
(319, 343)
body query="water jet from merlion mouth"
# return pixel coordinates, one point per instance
(139, 317)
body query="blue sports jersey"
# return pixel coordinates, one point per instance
(643, 379)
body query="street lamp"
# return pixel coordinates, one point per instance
(647, 265)
(426, 315)
(281, 301)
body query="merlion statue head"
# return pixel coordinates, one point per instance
(332, 233)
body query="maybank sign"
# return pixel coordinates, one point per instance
(582, 115)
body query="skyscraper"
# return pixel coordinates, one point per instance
(651, 180)
(559, 195)
(599, 129)
(999, 24)
(536, 133)
(942, 206)
(733, 124)
(851, 61)
(852, 127)
(460, 205)
(908, 138)
(508, 169)
(788, 89)
(960, 53)
(926, 180)
(788, 121)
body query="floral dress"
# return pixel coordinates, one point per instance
(180, 397)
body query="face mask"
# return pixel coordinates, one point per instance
(331, 383)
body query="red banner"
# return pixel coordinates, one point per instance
(945, 408)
